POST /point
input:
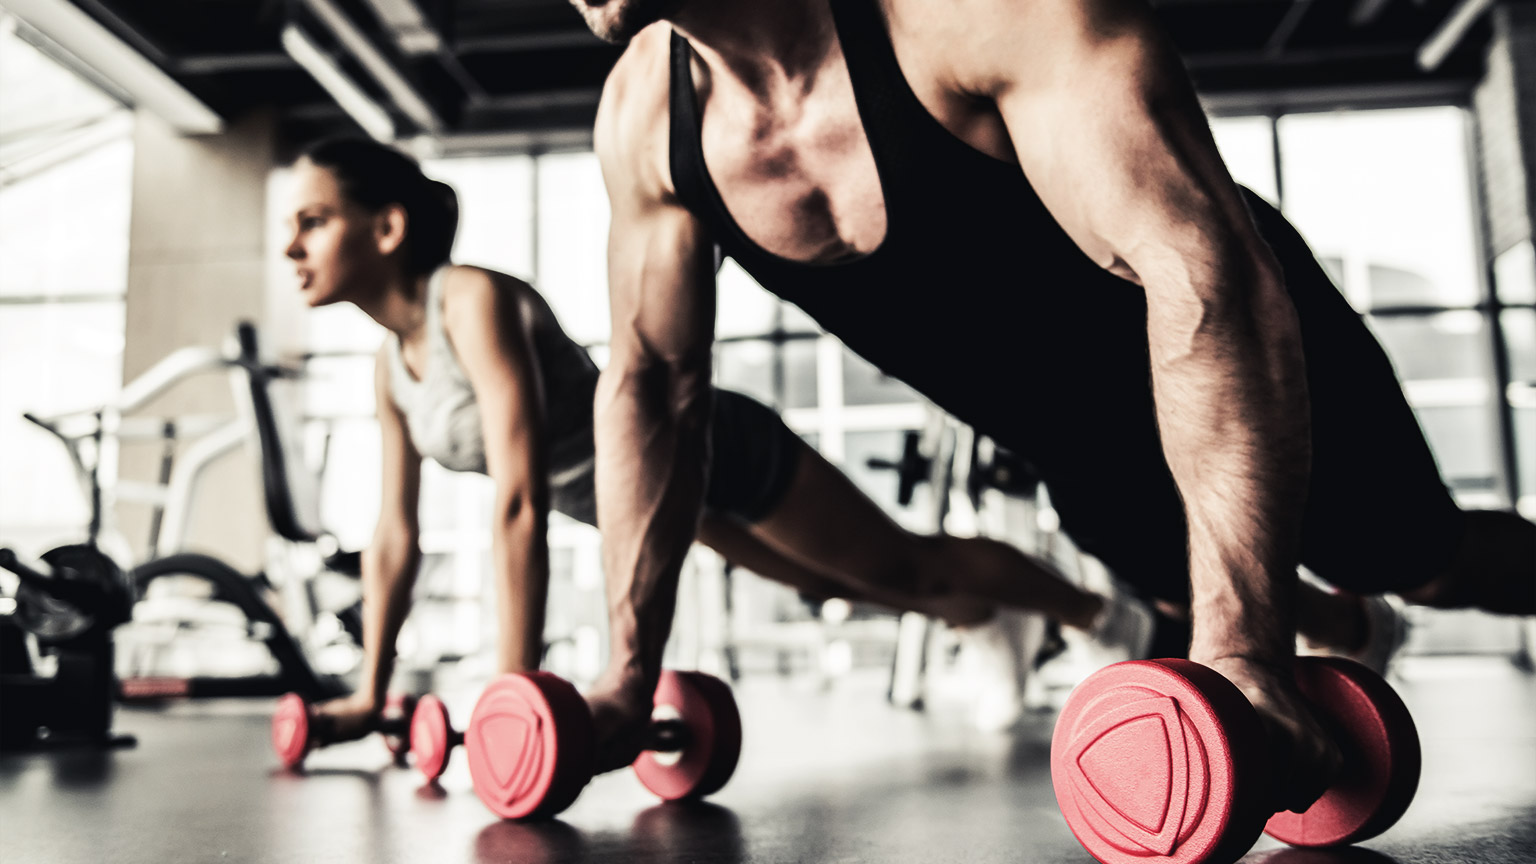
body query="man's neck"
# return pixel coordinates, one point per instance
(764, 45)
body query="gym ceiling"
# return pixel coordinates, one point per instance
(499, 75)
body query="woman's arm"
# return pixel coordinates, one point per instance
(389, 564)
(488, 329)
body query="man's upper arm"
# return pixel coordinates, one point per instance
(1109, 132)
(660, 259)
(401, 479)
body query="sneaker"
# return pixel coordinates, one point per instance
(997, 656)
(1386, 629)
(1122, 631)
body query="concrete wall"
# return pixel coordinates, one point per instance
(198, 262)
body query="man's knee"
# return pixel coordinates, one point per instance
(910, 571)
(1494, 568)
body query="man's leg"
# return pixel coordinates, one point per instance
(1494, 569)
(824, 523)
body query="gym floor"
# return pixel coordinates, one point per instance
(825, 776)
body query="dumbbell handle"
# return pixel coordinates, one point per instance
(323, 726)
(666, 736)
(661, 736)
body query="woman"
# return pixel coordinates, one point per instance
(478, 375)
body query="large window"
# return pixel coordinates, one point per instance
(66, 162)
(1385, 199)
(1394, 224)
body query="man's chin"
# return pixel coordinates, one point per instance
(618, 21)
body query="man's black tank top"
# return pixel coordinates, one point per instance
(980, 301)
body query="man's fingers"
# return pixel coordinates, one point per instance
(619, 734)
(1306, 759)
(1314, 772)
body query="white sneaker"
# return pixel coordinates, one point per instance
(997, 656)
(1122, 631)
(1386, 629)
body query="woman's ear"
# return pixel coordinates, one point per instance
(389, 228)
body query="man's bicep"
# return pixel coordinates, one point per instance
(661, 286)
(1122, 155)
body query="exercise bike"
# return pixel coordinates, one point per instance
(300, 558)
(61, 615)
(227, 597)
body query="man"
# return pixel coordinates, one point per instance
(996, 196)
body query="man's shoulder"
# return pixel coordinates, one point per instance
(635, 96)
(631, 132)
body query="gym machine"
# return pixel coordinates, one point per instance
(66, 606)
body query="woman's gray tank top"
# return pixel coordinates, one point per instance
(443, 415)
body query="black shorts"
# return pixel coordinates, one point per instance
(1378, 519)
(753, 458)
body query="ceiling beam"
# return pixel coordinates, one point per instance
(213, 64)
(1367, 11)
(1451, 31)
(513, 43)
(125, 31)
(401, 91)
(1205, 60)
(539, 100)
(108, 56)
(1398, 94)
(361, 107)
(1281, 38)
(409, 27)
(460, 144)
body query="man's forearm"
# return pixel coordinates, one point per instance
(1230, 385)
(650, 487)
(389, 574)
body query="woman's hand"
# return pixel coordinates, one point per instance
(353, 716)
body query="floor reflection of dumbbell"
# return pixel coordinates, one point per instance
(297, 728)
(1165, 761)
(530, 742)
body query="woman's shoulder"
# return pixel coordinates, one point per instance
(484, 295)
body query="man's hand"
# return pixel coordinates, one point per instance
(620, 715)
(1304, 759)
(353, 716)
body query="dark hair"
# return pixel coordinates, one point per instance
(375, 176)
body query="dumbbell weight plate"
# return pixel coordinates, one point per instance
(529, 745)
(707, 709)
(1381, 756)
(430, 731)
(290, 730)
(1160, 761)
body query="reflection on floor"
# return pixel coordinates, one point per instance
(825, 777)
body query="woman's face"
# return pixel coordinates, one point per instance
(336, 246)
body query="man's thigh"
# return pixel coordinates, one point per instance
(1379, 517)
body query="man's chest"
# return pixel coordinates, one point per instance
(799, 175)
